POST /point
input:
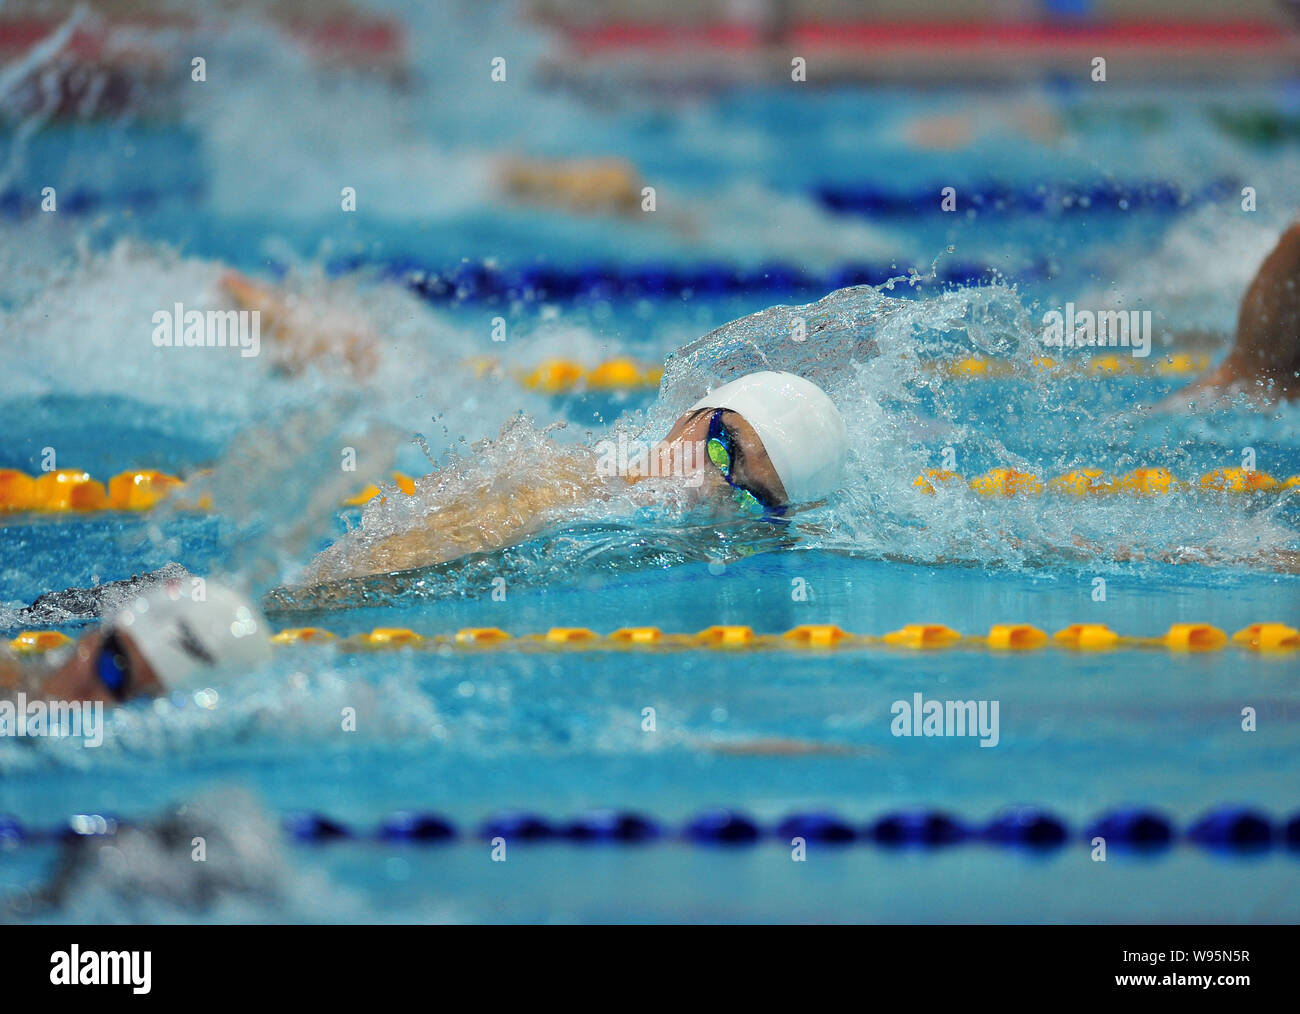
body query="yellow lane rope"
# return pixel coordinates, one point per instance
(1009, 637)
(1176, 365)
(70, 490)
(1094, 481)
(564, 376)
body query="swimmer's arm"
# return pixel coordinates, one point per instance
(1281, 561)
(296, 343)
(488, 523)
(584, 186)
(1284, 561)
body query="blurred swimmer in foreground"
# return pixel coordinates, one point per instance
(160, 642)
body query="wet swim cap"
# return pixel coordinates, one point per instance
(801, 429)
(183, 639)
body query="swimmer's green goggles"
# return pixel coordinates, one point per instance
(720, 447)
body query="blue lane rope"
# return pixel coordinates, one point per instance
(869, 199)
(482, 283)
(1157, 196)
(79, 201)
(1226, 829)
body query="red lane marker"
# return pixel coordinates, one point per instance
(1034, 34)
(349, 35)
(339, 36)
(22, 33)
(958, 34)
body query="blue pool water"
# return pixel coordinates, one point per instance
(167, 204)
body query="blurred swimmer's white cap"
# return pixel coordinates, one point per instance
(801, 429)
(184, 638)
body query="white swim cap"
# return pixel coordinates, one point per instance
(183, 639)
(801, 429)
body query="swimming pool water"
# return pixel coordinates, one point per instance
(766, 732)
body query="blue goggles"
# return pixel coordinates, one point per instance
(113, 666)
(721, 449)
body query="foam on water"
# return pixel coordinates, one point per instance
(278, 139)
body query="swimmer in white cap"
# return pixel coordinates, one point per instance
(766, 443)
(776, 439)
(160, 642)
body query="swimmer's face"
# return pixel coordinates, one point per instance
(78, 679)
(683, 450)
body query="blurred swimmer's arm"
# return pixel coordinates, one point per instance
(1281, 561)
(954, 131)
(1265, 358)
(586, 186)
(1285, 561)
(298, 341)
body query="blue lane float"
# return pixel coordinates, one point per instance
(1291, 833)
(420, 828)
(12, 833)
(314, 827)
(1027, 827)
(918, 829)
(1238, 830)
(481, 283)
(1133, 828)
(518, 827)
(825, 828)
(81, 201)
(1101, 196)
(722, 827)
(612, 826)
(1233, 829)
(1162, 197)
